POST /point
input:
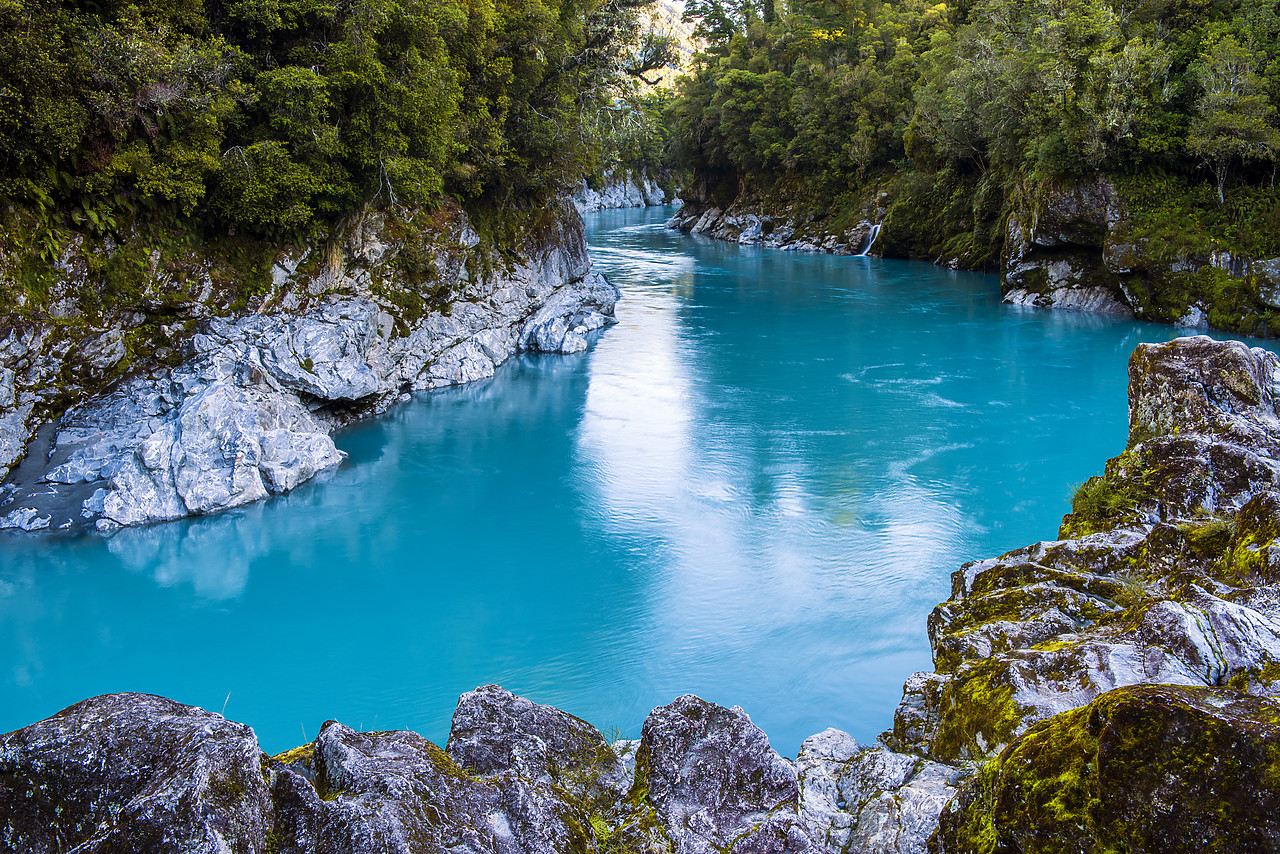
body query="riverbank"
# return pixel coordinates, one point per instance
(1046, 660)
(222, 407)
(1098, 243)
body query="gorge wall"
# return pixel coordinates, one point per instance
(623, 188)
(184, 404)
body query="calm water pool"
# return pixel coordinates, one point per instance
(754, 488)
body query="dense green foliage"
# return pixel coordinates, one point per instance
(280, 117)
(983, 96)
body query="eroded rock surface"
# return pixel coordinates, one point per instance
(747, 223)
(715, 782)
(248, 412)
(381, 792)
(620, 189)
(1150, 769)
(133, 772)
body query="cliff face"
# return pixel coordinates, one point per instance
(1083, 246)
(624, 189)
(222, 406)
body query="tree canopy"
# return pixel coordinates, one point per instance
(279, 116)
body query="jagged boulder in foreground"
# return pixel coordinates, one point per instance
(1148, 768)
(133, 772)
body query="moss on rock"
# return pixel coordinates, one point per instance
(1150, 768)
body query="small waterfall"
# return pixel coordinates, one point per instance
(871, 239)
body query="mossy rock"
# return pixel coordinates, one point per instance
(1149, 768)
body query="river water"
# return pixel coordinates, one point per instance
(754, 488)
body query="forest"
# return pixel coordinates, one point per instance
(277, 118)
(968, 108)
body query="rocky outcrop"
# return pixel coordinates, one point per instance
(869, 799)
(248, 408)
(133, 772)
(622, 189)
(1167, 572)
(716, 784)
(1062, 253)
(140, 773)
(748, 223)
(1150, 769)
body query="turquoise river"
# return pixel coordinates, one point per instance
(753, 488)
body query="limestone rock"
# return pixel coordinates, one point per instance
(133, 772)
(620, 191)
(716, 784)
(249, 411)
(1167, 571)
(746, 223)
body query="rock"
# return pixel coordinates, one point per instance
(249, 412)
(870, 799)
(375, 793)
(1167, 571)
(1150, 768)
(716, 784)
(564, 322)
(745, 222)
(494, 731)
(1225, 390)
(625, 191)
(1266, 273)
(1069, 297)
(24, 518)
(133, 772)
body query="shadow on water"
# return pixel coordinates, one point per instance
(754, 488)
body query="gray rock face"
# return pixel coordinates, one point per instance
(620, 191)
(494, 731)
(1166, 572)
(1063, 254)
(744, 223)
(869, 799)
(249, 412)
(132, 772)
(716, 784)
(374, 793)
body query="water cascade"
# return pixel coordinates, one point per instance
(871, 239)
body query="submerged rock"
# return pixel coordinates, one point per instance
(133, 772)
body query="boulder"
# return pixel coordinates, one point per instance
(136, 773)
(1151, 768)
(716, 784)
(494, 731)
(387, 792)
(871, 800)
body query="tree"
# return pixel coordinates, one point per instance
(1233, 118)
